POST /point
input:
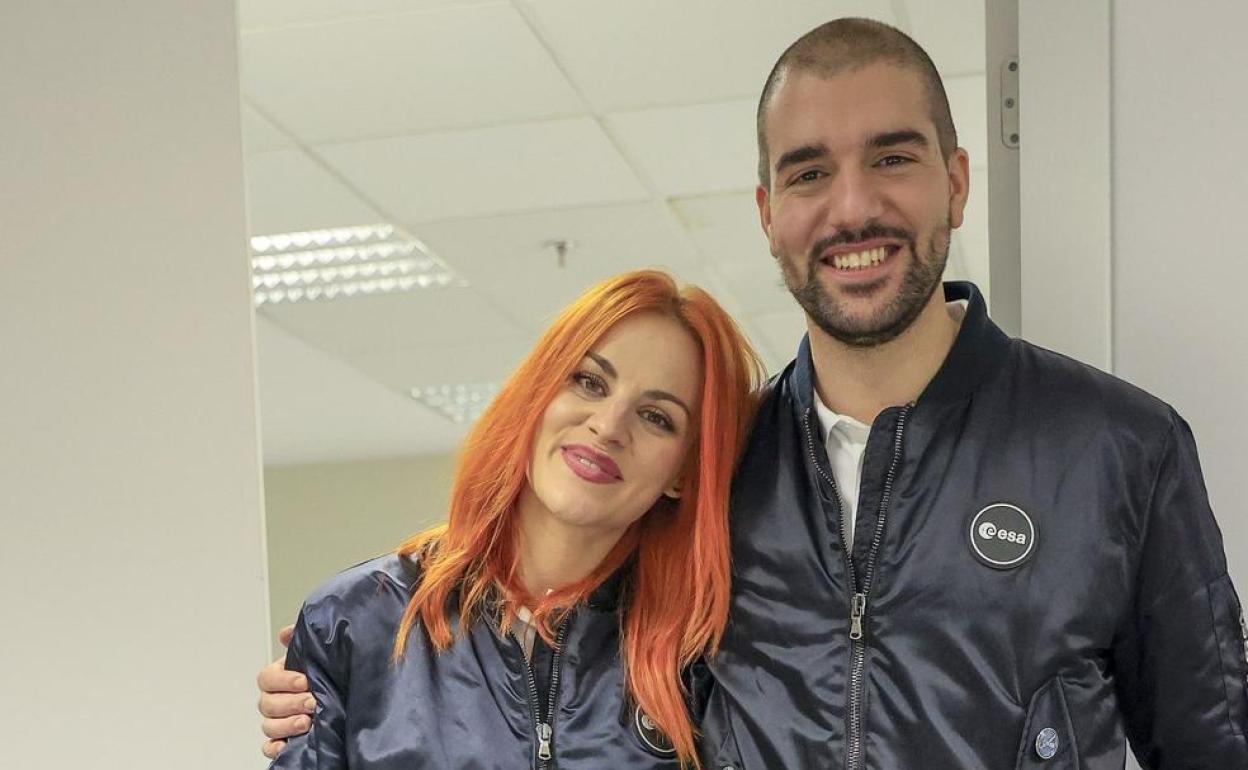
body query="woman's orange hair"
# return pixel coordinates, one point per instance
(676, 606)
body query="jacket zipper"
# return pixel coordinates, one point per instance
(542, 720)
(859, 592)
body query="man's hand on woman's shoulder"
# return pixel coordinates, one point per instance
(284, 701)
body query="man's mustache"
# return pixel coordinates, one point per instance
(850, 237)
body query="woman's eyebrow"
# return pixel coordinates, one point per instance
(604, 364)
(663, 395)
(657, 395)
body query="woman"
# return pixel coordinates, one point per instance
(583, 568)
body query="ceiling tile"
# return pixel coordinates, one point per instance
(366, 78)
(653, 53)
(703, 148)
(259, 135)
(489, 171)
(443, 364)
(505, 257)
(951, 31)
(315, 408)
(727, 233)
(390, 322)
(287, 191)
(254, 14)
(969, 106)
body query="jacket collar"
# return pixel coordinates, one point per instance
(609, 593)
(977, 351)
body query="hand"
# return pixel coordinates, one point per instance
(284, 701)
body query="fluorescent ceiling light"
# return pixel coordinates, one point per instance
(457, 403)
(342, 262)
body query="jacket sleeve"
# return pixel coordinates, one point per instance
(1179, 657)
(323, 655)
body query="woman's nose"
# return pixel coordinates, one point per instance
(608, 422)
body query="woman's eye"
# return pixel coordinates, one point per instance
(658, 419)
(589, 383)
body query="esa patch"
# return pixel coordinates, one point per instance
(1002, 536)
(654, 740)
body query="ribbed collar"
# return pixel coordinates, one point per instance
(977, 351)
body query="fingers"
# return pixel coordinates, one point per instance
(279, 705)
(275, 678)
(272, 748)
(284, 635)
(281, 729)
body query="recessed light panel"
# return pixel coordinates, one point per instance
(341, 263)
(457, 403)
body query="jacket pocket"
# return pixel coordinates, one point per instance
(719, 743)
(1048, 740)
(1232, 635)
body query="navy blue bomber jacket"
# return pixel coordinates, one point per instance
(1036, 578)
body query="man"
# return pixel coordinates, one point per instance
(951, 549)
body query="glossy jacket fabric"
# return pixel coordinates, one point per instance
(1120, 623)
(467, 708)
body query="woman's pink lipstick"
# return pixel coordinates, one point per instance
(590, 465)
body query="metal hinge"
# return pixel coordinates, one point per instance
(1009, 103)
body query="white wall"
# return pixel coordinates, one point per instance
(131, 528)
(1141, 270)
(325, 517)
(1180, 80)
(1064, 168)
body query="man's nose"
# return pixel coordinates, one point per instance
(853, 201)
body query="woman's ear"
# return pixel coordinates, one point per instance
(674, 491)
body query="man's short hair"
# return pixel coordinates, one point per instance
(844, 45)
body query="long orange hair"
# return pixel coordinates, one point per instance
(676, 606)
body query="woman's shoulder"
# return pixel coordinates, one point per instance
(382, 585)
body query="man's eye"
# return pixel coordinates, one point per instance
(808, 176)
(893, 160)
(589, 383)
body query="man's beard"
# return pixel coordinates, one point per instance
(917, 286)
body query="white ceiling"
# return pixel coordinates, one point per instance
(487, 128)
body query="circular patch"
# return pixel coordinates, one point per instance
(1047, 743)
(1003, 536)
(652, 738)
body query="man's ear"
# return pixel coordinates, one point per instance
(763, 199)
(959, 186)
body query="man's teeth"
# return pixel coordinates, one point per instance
(860, 259)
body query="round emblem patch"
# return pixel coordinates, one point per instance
(652, 738)
(1047, 743)
(1003, 536)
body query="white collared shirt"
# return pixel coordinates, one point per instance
(845, 440)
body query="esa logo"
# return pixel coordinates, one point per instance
(1002, 536)
(988, 531)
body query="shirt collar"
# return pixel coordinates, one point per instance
(847, 426)
(977, 351)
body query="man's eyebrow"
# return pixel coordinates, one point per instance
(800, 155)
(657, 395)
(894, 138)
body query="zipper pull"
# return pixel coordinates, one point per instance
(543, 741)
(857, 609)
